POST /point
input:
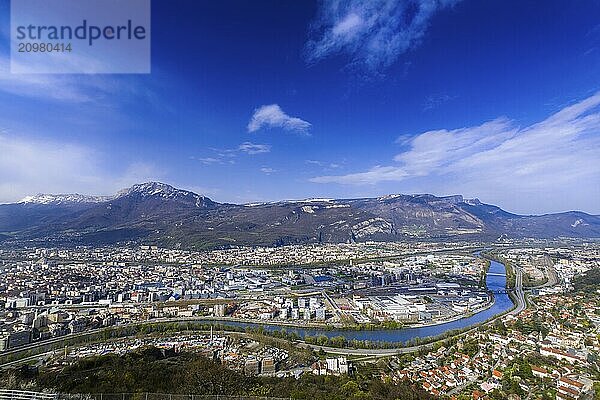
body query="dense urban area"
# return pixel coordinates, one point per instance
(288, 313)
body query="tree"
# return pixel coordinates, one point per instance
(597, 390)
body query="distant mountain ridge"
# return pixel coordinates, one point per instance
(41, 198)
(159, 213)
(167, 192)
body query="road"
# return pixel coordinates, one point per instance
(48, 345)
(333, 305)
(518, 292)
(550, 272)
(38, 358)
(468, 382)
(520, 306)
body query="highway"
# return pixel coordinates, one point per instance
(518, 292)
(49, 345)
(521, 304)
(332, 304)
(550, 273)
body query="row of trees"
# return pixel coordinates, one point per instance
(152, 370)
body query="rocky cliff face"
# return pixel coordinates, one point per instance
(161, 213)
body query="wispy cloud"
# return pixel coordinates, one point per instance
(372, 33)
(436, 100)
(30, 166)
(208, 160)
(374, 175)
(228, 156)
(84, 89)
(253, 148)
(267, 170)
(56, 87)
(272, 116)
(439, 149)
(323, 164)
(556, 160)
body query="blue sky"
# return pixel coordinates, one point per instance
(270, 100)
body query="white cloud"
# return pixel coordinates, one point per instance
(267, 170)
(315, 162)
(372, 176)
(32, 166)
(94, 89)
(372, 33)
(436, 149)
(69, 88)
(228, 156)
(348, 26)
(323, 164)
(42, 86)
(253, 148)
(553, 164)
(272, 116)
(209, 160)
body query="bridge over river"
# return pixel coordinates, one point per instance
(495, 280)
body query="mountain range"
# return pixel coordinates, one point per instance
(158, 213)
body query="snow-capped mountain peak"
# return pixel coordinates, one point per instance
(164, 191)
(152, 189)
(473, 202)
(390, 197)
(56, 199)
(148, 190)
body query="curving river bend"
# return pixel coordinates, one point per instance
(495, 280)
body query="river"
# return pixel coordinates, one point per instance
(495, 280)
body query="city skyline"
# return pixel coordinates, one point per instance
(336, 100)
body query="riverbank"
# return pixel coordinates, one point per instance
(348, 327)
(392, 340)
